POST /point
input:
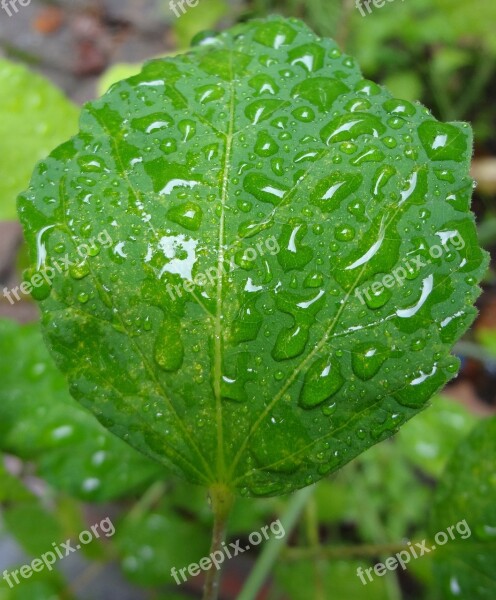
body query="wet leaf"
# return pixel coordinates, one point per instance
(256, 192)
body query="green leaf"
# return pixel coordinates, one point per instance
(429, 440)
(335, 579)
(262, 166)
(33, 526)
(149, 549)
(198, 18)
(40, 421)
(11, 489)
(470, 21)
(115, 73)
(45, 585)
(34, 117)
(465, 566)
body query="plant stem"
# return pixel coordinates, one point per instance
(147, 500)
(484, 70)
(477, 352)
(314, 542)
(343, 552)
(222, 501)
(274, 546)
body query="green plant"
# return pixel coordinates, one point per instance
(274, 371)
(39, 118)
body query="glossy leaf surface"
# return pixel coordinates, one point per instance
(262, 167)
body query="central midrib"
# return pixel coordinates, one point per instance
(217, 375)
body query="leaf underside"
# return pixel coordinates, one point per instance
(263, 159)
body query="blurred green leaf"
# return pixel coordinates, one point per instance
(197, 19)
(487, 338)
(33, 527)
(473, 20)
(150, 544)
(11, 489)
(34, 117)
(466, 568)
(336, 580)
(429, 440)
(406, 85)
(45, 585)
(115, 74)
(40, 421)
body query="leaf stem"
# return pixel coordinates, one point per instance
(222, 500)
(342, 552)
(274, 546)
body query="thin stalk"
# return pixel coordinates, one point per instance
(314, 542)
(222, 501)
(342, 552)
(475, 351)
(473, 91)
(274, 546)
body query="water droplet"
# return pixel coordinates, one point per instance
(322, 381)
(265, 145)
(188, 214)
(367, 359)
(443, 141)
(322, 92)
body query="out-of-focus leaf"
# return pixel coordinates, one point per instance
(429, 440)
(45, 585)
(40, 421)
(470, 20)
(115, 74)
(197, 19)
(406, 84)
(487, 338)
(11, 489)
(34, 117)
(334, 579)
(151, 543)
(33, 526)
(465, 567)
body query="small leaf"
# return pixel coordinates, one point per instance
(255, 191)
